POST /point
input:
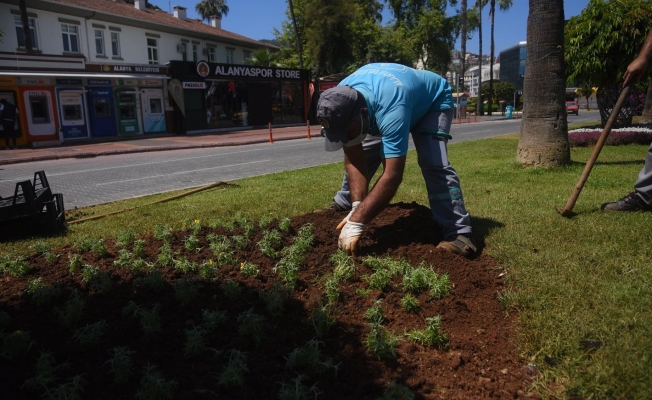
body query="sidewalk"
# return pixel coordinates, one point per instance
(163, 142)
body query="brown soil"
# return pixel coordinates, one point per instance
(480, 361)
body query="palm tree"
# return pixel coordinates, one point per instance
(504, 5)
(463, 29)
(479, 108)
(264, 58)
(212, 8)
(544, 130)
(296, 33)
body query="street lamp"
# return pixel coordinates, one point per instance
(515, 93)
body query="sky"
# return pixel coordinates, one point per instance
(256, 19)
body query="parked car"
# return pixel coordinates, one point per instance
(572, 107)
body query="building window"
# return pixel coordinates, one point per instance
(229, 56)
(21, 36)
(211, 54)
(195, 50)
(70, 36)
(99, 42)
(152, 50)
(115, 44)
(246, 54)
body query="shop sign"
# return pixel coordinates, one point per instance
(194, 85)
(250, 71)
(6, 80)
(98, 82)
(150, 82)
(203, 69)
(127, 82)
(69, 81)
(176, 91)
(131, 68)
(35, 81)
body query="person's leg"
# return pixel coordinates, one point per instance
(372, 146)
(6, 131)
(641, 198)
(12, 135)
(442, 182)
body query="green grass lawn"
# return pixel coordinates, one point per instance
(582, 286)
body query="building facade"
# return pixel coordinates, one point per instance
(103, 68)
(512, 65)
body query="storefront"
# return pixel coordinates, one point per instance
(227, 96)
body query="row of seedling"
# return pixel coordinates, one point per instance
(293, 256)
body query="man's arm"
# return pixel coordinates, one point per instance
(637, 68)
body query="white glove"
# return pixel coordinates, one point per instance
(354, 205)
(350, 236)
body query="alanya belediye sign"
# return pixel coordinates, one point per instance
(245, 71)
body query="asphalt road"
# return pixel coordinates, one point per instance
(86, 182)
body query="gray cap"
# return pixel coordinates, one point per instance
(336, 108)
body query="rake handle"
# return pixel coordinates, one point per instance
(597, 149)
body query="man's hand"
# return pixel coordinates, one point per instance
(350, 236)
(635, 70)
(354, 205)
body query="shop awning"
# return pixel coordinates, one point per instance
(47, 74)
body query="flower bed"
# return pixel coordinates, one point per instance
(586, 137)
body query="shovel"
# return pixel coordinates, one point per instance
(567, 211)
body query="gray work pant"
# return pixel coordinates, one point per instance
(442, 183)
(643, 185)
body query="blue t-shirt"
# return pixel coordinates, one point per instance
(397, 98)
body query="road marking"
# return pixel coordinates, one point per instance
(179, 173)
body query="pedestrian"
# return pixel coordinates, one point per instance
(9, 114)
(387, 102)
(641, 198)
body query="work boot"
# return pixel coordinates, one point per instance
(631, 202)
(332, 207)
(461, 244)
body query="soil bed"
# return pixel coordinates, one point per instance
(479, 362)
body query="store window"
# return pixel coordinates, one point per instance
(226, 104)
(195, 51)
(115, 44)
(99, 42)
(152, 50)
(246, 55)
(21, 36)
(70, 36)
(211, 54)
(292, 102)
(229, 56)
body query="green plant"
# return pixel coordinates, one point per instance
(192, 243)
(219, 223)
(379, 280)
(51, 257)
(251, 325)
(163, 233)
(332, 288)
(165, 257)
(139, 248)
(232, 290)
(91, 333)
(16, 267)
(194, 225)
(297, 390)
(381, 343)
(15, 344)
(234, 371)
(270, 243)
(240, 242)
(153, 386)
(99, 248)
(75, 263)
(265, 221)
(410, 303)
(196, 342)
(99, 281)
(154, 281)
(209, 271)
(274, 299)
(288, 269)
(46, 372)
(211, 320)
(375, 314)
(72, 310)
(248, 229)
(440, 287)
(40, 246)
(309, 358)
(121, 364)
(33, 285)
(40, 292)
(184, 265)
(423, 278)
(125, 238)
(363, 291)
(72, 389)
(344, 268)
(123, 259)
(431, 335)
(322, 320)
(396, 391)
(83, 244)
(150, 320)
(285, 224)
(139, 266)
(186, 291)
(249, 269)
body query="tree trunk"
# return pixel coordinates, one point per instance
(544, 130)
(479, 104)
(492, 12)
(646, 118)
(296, 34)
(463, 39)
(24, 19)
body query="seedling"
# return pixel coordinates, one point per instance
(46, 372)
(192, 243)
(154, 386)
(69, 390)
(240, 242)
(249, 269)
(16, 267)
(40, 292)
(211, 320)
(218, 223)
(75, 263)
(184, 265)
(165, 256)
(194, 225)
(322, 320)
(139, 266)
(150, 320)
(209, 270)
(121, 364)
(125, 239)
(379, 280)
(363, 292)
(41, 247)
(309, 358)
(249, 229)
(251, 325)
(34, 284)
(232, 290)
(99, 248)
(440, 287)
(375, 314)
(15, 344)
(234, 371)
(51, 257)
(381, 343)
(396, 391)
(410, 303)
(297, 390)
(270, 243)
(196, 342)
(274, 299)
(96, 280)
(417, 280)
(332, 288)
(123, 260)
(83, 244)
(344, 268)
(163, 233)
(288, 269)
(72, 310)
(285, 224)
(154, 281)
(187, 291)
(139, 248)
(431, 335)
(265, 221)
(91, 333)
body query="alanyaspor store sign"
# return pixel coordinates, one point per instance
(254, 72)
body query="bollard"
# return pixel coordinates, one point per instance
(468, 118)
(475, 118)
(271, 140)
(308, 123)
